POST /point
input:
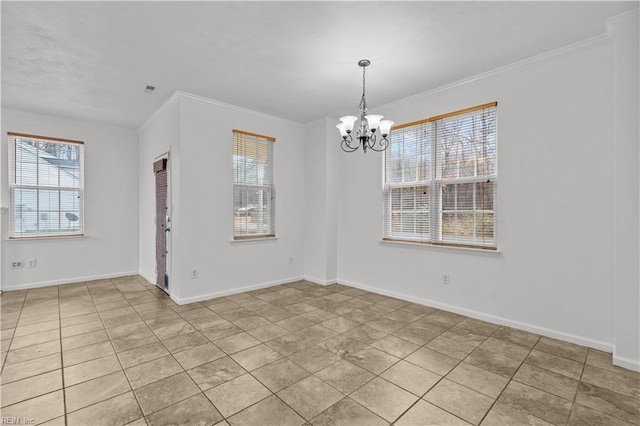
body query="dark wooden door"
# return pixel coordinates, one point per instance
(161, 173)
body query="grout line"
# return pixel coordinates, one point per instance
(374, 376)
(4, 361)
(114, 396)
(246, 371)
(575, 395)
(116, 355)
(61, 367)
(287, 358)
(171, 354)
(510, 378)
(275, 394)
(64, 388)
(421, 398)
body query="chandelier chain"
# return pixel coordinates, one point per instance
(364, 70)
(363, 101)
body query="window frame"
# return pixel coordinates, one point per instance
(270, 187)
(13, 138)
(436, 184)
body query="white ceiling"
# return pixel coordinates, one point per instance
(296, 60)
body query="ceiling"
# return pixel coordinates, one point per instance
(296, 60)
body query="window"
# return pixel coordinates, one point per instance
(253, 186)
(46, 186)
(441, 180)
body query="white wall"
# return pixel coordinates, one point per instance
(320, 240)
(625, 33)
(555, 224)
(333, 191)
(110, 244)
(202, 223)
(315, 244)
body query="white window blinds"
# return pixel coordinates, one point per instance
(46, 185)
(253, 185)
(441, 180)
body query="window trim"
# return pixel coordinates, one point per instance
(12, 186)
(254, 239)
(271, 187)
(47, 138)
(435, 184)
(47, 237)
(446, 115)
(452, 249)
(255, 135)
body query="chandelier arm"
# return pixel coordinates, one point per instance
(371, 141)
(346, 145)
(383, 144)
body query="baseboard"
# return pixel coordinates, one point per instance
(319, 281)
(187, 300)
(628, 363)
(151, 280)
(68, 281)
(579, 340)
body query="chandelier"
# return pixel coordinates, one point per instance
(367, 127)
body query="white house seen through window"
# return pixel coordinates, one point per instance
(46, 186)
(254, 192)
(441, 180)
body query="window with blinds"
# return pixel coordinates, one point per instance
(254, 192)
(441, 180)
(46, 185)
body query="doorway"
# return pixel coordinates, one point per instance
(162, 220)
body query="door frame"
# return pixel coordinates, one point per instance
(169, 223)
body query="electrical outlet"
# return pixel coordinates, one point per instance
(291, 261)
(194, 273)
(31, 263)
(445, 279)
(16, 264)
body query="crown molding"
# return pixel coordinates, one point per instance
(171, 99)
(236, 108)
(583, 44)
(614, 23)
(185, 95)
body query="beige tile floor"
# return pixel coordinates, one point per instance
(121, 352)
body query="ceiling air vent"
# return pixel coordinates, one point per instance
(149, 88)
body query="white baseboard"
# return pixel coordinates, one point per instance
(319, 281)
(579, 340)
(203, 297)
(628, 363)
(68, 281)
(151, 280)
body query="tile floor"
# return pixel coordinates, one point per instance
(121, 352)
